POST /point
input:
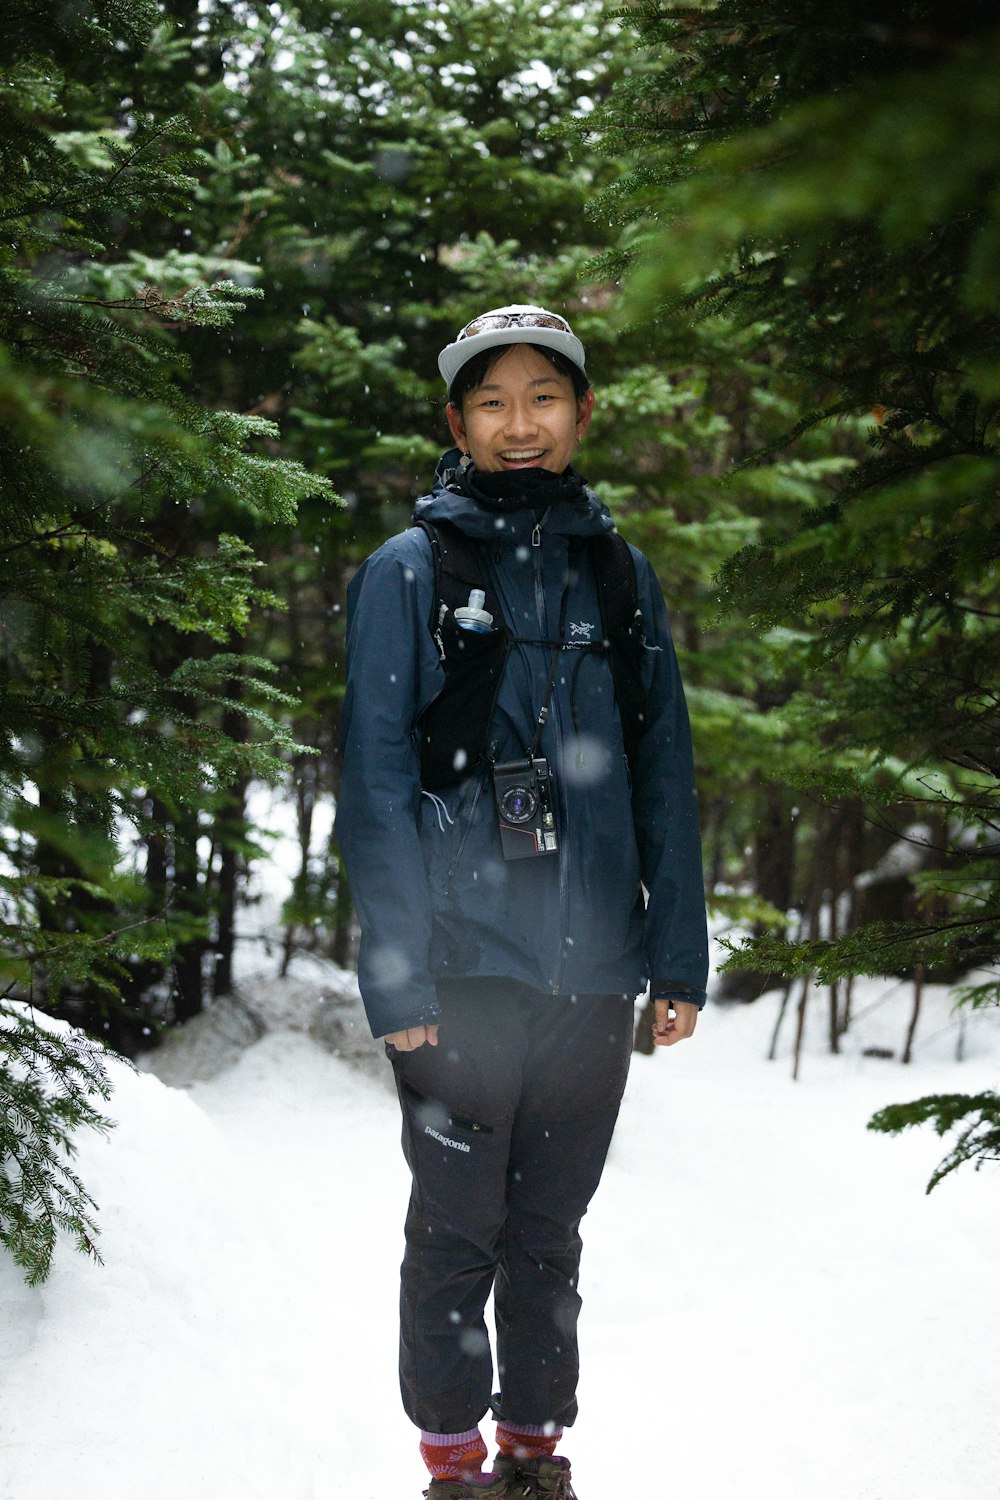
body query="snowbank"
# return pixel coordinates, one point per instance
(773, 1308)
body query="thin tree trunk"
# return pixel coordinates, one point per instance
(305, 806)
(229, 825)
(800, 1025)
(834, 1004)
(785, 994)
(188, 996)
(341, 953)
(287, 948)
(918, 994)
(811, 929)
(156, 857)
(854, 849)
(717, 820)
(845, 1023)
(230, 829)
(785, 997)
(342, 931)
(834, 991)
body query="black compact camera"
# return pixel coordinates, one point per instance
(524, 798)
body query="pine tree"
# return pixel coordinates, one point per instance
(700, 400)
(380, 171)
(104, 459)
(833, 183)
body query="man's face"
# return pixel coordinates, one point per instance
(524, 416)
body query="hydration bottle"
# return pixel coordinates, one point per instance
(473, 616)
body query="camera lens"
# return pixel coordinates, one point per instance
(518, 804)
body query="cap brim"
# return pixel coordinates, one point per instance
(454, 356)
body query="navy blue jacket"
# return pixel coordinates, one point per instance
(434, 896)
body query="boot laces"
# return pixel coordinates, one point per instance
(561, 1491)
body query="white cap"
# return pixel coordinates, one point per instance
(518, 323)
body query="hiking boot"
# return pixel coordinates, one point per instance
(536, 1478)
(459, 1489)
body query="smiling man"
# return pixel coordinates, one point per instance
(518, 818)
(525, 414)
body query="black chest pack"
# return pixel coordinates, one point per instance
(455, 728)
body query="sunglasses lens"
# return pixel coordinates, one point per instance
(494, 321)
(484, 325)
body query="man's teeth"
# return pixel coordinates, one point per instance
(518, 455)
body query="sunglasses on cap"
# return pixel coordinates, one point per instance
(492, 322)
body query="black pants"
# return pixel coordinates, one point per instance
(506, 1128)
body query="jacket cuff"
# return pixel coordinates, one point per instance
(677, 989)
(381, 1025)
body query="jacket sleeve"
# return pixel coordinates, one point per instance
(665, 811)
(392, 673)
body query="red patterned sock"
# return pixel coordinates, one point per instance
(522, 1440)
(453, 1455)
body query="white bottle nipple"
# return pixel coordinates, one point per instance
(473, 616)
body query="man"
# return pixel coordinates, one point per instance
(519, 823)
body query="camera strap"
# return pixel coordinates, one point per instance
(543, 712)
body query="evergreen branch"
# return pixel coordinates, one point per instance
(878, 949)
(51, 952)
(978, 1142)
(47, 1084)
(71, 531)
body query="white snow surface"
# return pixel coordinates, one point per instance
(773, 1309)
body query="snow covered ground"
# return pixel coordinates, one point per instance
(774, 1310)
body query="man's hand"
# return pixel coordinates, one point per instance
(413, 1037)
(675, 1020)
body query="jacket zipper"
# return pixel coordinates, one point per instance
(468, 825)
(556, 722)
(563, 857)
(536, 555)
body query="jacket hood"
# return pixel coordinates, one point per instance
(584, 515)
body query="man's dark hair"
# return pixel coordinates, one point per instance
(472, 375)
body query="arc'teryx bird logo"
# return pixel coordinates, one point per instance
(580, 630)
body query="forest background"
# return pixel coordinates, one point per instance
(235, 237)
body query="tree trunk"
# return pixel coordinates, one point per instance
(800, 1026)
(773, 870)
(342, 931)
(230, 823)
(772, 1051)
(230, 831)
(834, 991)
(918, 995)
(855, 860)
(810, 929)
(305, 780)
(189, 904)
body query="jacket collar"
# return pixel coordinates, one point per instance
(583, 515)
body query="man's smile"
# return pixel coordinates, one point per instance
(521, 455)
